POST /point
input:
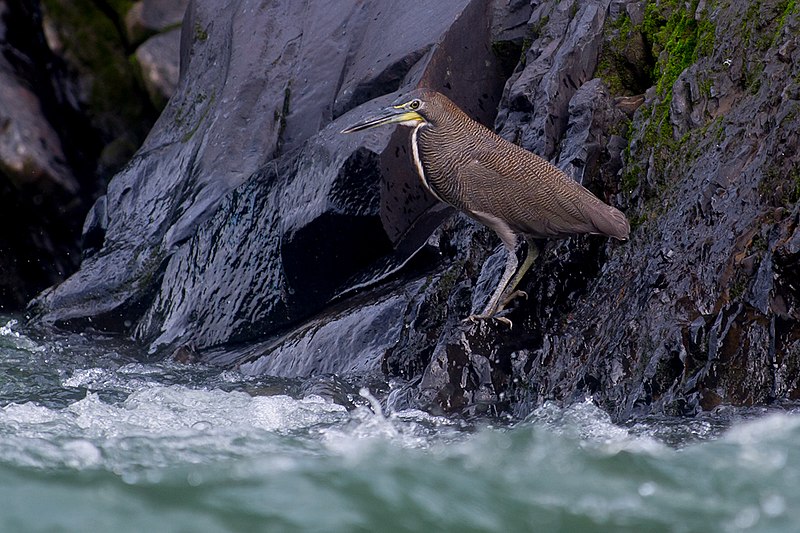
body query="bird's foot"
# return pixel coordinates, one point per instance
(477, 318)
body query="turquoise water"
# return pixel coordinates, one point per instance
(93, 440)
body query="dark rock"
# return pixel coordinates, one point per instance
(350, 343)
(95, 227)
(40, 182)
(98, 78)
(509, 31)
(675, 323)
(669, 322)
(153, 27)
(73, 112)
(587, 144)
(562, 57)
(510, 20)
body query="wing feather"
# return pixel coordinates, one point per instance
(533, 196)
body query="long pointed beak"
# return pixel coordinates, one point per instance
(390, 115)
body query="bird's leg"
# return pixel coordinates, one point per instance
(508, 272)
(505, 291)
(530, 257)
(491, 307)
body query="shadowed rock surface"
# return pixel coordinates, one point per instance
(248, 232)
(73, 110)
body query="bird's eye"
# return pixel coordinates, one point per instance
(414, 104)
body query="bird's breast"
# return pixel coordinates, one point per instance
(417, 156)
(437, 158)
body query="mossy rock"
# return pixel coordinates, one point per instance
(92, 42)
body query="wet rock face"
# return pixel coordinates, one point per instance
(249, 232)
(561, 57)
(690, 313)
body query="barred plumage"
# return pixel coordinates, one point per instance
(503, 186)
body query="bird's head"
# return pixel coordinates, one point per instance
(415, 108)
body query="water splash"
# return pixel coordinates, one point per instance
(211, 450)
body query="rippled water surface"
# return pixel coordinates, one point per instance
(92, 440)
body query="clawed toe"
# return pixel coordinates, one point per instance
(476, 318)
(517, 294)
(504, 320)
(511, 297)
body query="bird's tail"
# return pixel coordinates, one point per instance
(611, 221)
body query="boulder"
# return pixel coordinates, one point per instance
(159, 60)
(149, 17)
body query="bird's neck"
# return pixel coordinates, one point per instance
(437, 155)
(417, 158)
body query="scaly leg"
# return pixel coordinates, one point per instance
(510, 292)
(505, 291)
(491, 307)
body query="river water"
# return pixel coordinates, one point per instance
(93, 439)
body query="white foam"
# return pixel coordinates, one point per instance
(155, 426)
(18, 340)
(593, 427)
(8, 331)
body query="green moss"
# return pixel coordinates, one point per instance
(679, 36)
(611, 67)
(607, 71)
(763, 23)
(678, 39)
(200, 33)
(753, 76)
(97, 51)
(758, 244)
(789, 9)
(91, 39)
(794, 196)
(624, 63)
(706, 32)
(738, 287)
(120, 7)
(534, 32)
(637, 220)
(674, 36)
(194, 114)
(780, 184)
(705, 86)
(526, 45)
(630, 179)
(573, 9)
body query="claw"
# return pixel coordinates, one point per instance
(517, 294)
(505, 321)
(511, 297)
(475, 318)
